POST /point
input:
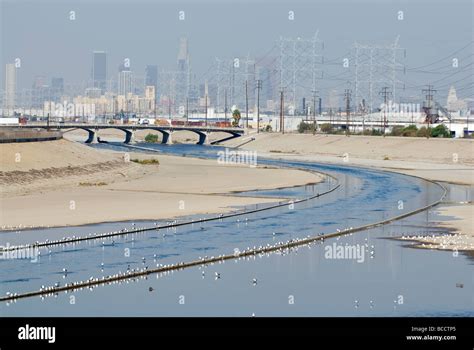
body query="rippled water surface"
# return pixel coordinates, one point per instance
(389, 279)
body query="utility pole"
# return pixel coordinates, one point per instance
(429, 104)
(225, 105)
(259, 86)
(247, 103)
(347, 98)
(385, 93)
(169, 98)
(315, 92)
(187, 110)
(205, 104)
(282, 112)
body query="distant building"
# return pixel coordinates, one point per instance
(182, 75)
(93, 93)
(99, 70)
(57, 88)
(149, 92)
(125, 81)
(454, 104)
(10, 85)
(40, 92)
(151, 76)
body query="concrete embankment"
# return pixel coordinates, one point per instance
(10, 135)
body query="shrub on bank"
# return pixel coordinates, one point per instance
(410, 131)
(397, 130)
(151, 138)
(423, 132)
(326, 127)
(146, 161)
(440, 131)
(305, 127)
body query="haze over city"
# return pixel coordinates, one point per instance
(308, 160)
(51, 44)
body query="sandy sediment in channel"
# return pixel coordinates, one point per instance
(444, 160)
(462, 226)
(450, 160)
(59, 183)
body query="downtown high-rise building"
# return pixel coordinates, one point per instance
(40, 92)
(125, 80)
(10, 86)
(151, 76)
(99, 70)
(183, 75)
(57, 88)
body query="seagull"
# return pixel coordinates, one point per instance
(254, 281)
(218, 275)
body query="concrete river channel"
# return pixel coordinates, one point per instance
(386, 277)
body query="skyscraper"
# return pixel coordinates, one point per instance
(125, 79)
(57, 88)
(183, 74)
(183, 55)
(99, 70)
(10, 85)
(151, 76)
(40, 91)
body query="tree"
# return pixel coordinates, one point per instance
(440, 131)
(236, 116)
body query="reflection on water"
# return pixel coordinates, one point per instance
(392, 280)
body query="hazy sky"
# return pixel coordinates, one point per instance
(148, 32)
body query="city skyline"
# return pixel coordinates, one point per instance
(159, 44)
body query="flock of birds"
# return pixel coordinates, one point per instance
(281, 247)
(443, 241)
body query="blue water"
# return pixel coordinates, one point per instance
(392, 279)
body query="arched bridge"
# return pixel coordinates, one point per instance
(129, 130)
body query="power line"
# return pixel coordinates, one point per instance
(442, 59)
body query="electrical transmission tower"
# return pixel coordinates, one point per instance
(232, 75)
(375, 66)
(299, 69)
